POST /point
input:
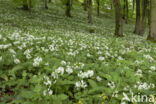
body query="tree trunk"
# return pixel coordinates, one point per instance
(124, 9)
(148, 11)
(137, 24)
(25, 5)
(45, 4)
(118, 18)
(152, 34)
(68, 8)
(90, 11)
(30, 5)
(49, 1)
(143, 22)
(127, 11)
(98, 7)
(133, 4)
(85, 4)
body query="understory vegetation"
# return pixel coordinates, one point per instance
(47, 58)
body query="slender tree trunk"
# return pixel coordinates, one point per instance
(30, 5)
(49, 1)
(25, 5)
(45, 4)
(85, 4)
(133, 4)
(90, 12)
(124, 9)
(98, 7)
(143, 22)
(68, 8)
(152, 34)
(137, 24)
(148, 11)
(127, 11)
(118, 18)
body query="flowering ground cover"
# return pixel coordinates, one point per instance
(56, 60)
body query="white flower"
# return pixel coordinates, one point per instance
(120, 58)
(44, 93)
(98, 78)
(90, 73)
(12, 51)
(143, 86)
(99, 52)
(80, 84)
(153, 68)
(87, 74)
(101, 58)
(111, 85)
(54, 75)
(51, 47)
(60, 70)
(139, 73)
(149, 57)
(48, 82)
(123, 102)
(69, 70)
(63, 62)
(115, 94)
(88, 55)
(37, 61)
(16, 61)
(27, 53)
(50, 92)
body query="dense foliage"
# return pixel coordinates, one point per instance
(56, 60)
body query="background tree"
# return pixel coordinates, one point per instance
(98, 7)
(68, 8)
(152, 34)
(85, 4)
(45, 4)
(118, 18)
(90, 11)
(127, 11)
(143, 21)
(25, 4)
(137, 23)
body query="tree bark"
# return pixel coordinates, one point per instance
(148, 11)
(143, 22)
(25, 5)
(98, 7)
(137, 24)
(124, 9)
(152, 34)
(45, 4)
(127, 11)
(68, 8)
(133, 4)
(90, 12)
(85, 4)
(118, 18)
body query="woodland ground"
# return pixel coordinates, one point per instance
(47, 58)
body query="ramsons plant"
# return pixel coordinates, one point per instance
(57, 61)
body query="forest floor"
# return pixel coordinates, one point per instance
(46, 57)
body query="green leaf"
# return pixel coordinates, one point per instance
(92, 83)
